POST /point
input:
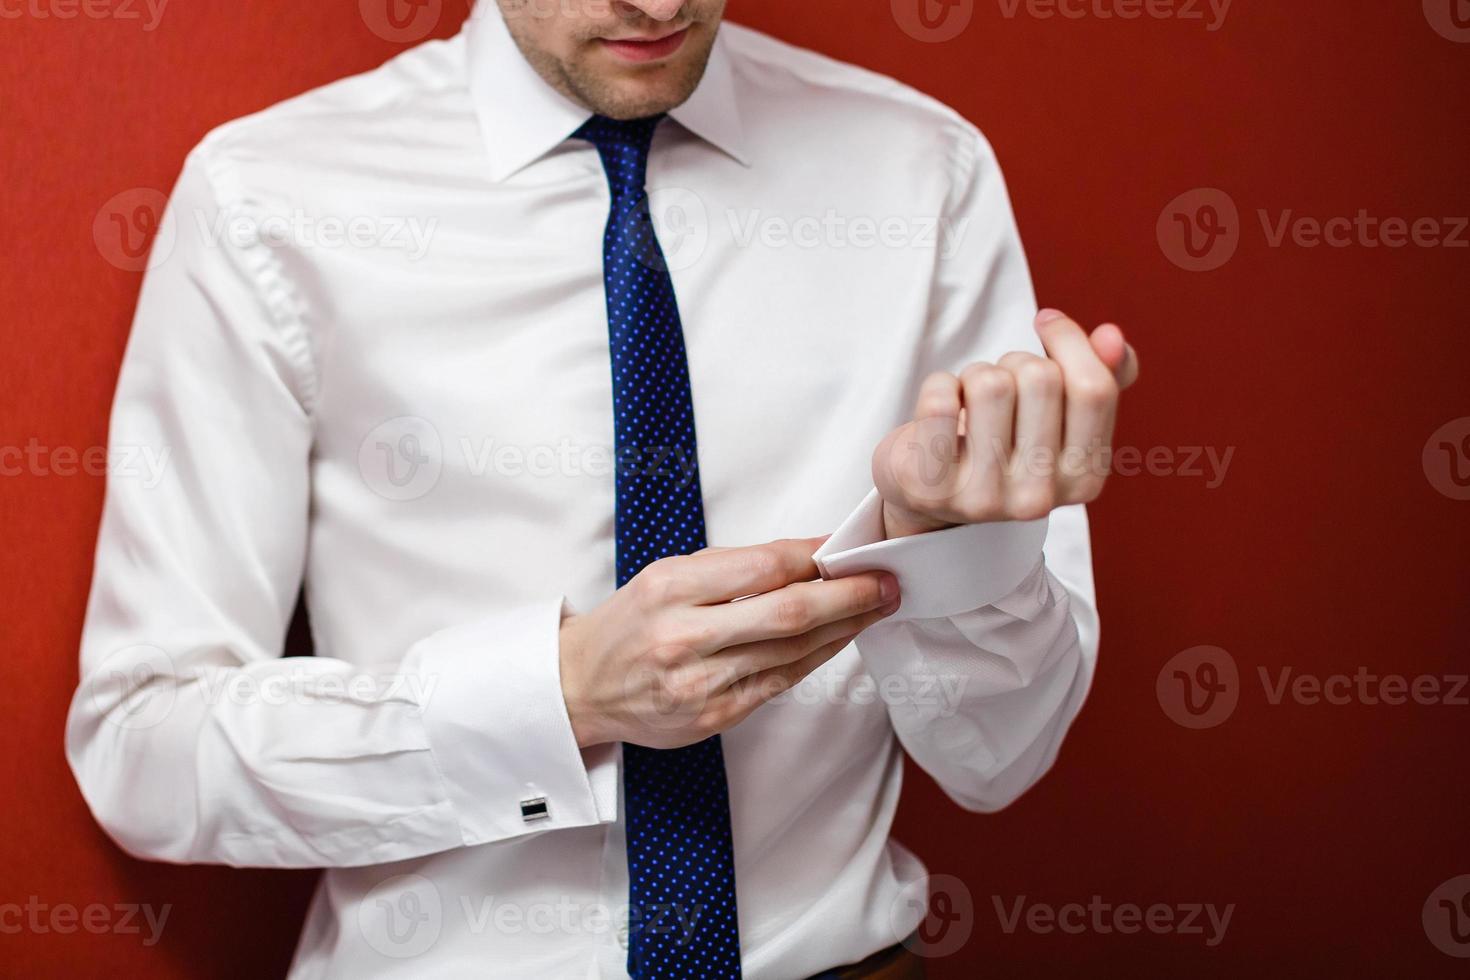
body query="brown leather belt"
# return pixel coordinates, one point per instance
(894, 963)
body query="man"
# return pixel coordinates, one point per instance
(547, 731)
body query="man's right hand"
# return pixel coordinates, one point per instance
(671, 659)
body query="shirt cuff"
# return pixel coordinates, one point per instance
(940, 573)
(498, 728)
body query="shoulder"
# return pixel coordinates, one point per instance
(852, 108)
(368, 117)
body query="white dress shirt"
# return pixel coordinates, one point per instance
(373, 343)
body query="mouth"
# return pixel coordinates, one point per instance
(645, 49)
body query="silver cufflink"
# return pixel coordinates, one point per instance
(534, 809)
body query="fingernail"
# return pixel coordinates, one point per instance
(888, 588)
(1048, 315)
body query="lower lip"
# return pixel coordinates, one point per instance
(647, 50)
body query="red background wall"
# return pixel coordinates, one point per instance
(1330, 545)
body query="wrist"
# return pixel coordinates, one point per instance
(569, 653)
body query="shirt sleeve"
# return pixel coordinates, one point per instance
(990, 655)
(192, 738)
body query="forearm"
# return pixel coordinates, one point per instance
(213, 754)
(990, 657)
(983, 700)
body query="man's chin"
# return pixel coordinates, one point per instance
(620, 93)
(631, 102)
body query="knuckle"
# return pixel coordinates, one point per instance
(938, 393)
(1033, 501)
(1094, 391)
(986, 504)
(792, 614)
(693, 636)
(668, 654)
(934, 403)
(941, 380)
(973, 369)
(1039, 374)
(712, 721)
(989, 382)
(684, 687)
(658, 584)
(764, 562)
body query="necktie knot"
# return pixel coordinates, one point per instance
(623, 145)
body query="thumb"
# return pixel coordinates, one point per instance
(1107, 341)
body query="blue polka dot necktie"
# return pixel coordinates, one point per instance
(681, 868)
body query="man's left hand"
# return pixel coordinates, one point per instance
(1008, 441)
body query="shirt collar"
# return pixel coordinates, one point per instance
(522, 117)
